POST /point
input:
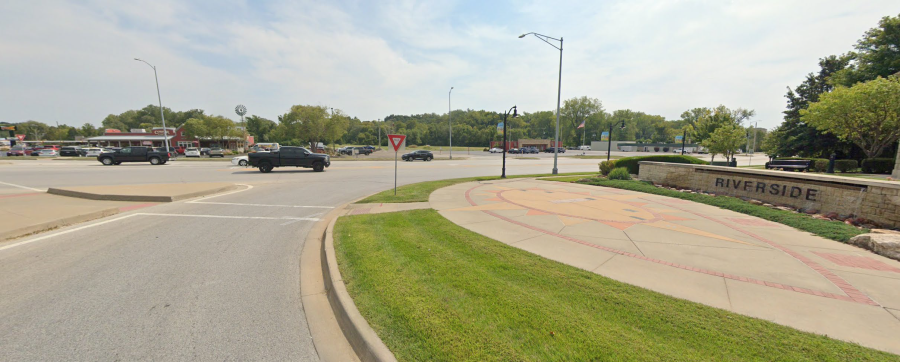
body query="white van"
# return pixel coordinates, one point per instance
(584, 148)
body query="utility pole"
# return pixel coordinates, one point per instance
(754, 136)
(450, 121)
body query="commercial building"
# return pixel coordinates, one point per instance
(156, 138)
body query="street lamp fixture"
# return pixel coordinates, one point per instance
(450, 121)
(558, 92)
(515, 114)
(609, 142)
(158, 97)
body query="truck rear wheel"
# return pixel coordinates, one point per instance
(265, 167)
(106, 161)
(154, 160)
(318, 167)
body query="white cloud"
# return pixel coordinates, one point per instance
(72, 62)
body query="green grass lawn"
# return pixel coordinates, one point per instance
(419, 192)
(833, 230)
(434, 291)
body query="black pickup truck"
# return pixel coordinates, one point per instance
(134, 154)
(289, 156)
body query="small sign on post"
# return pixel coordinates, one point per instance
(396, 141)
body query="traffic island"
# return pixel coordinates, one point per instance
(145, 193)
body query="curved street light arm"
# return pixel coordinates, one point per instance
(544, 38)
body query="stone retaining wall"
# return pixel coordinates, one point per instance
(878, 201)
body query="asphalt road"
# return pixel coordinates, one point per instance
(210, 279)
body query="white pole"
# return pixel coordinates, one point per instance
(558, 97)
(450, 121)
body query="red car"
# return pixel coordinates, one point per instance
(18, 151)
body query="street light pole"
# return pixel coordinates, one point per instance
(158, 97)
(558, 92)
(450, 121)
(515, 113)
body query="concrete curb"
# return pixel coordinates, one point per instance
(138, 198)
(356, 329)
(12, 234)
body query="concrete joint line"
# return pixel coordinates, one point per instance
(22, 187)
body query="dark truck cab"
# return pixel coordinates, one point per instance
(134, 154)
(289, 156)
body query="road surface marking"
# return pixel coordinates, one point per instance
(263, 205)
(225, 194)
(22, 187)
(29, 241)
(236, 217)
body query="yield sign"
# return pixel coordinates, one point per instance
(21, 137)
(396, 140)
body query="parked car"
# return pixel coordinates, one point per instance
(48, 152)
(70, 151)
(531, 150)
(496, 150)
(364, 151)
(180, 149)
(216, 152)
(240, 161)
(17, 151)
(514, 150)
(418, 155)
(204, 151)
(134, 154)
(192, 152)
(345, 150)
(92, 151)
(263, 147)
(35, 151)
(289, 156)
(371, 148)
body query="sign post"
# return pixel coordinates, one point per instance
(396, 141)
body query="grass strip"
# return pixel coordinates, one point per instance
(834, 230)
(419, 192)
(435, 291)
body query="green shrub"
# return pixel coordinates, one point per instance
(619, 173)
(631, 163)
(820, 165)
(607, 166)
(878, 165)
(846, 165)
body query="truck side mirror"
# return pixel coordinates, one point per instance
(306, 153)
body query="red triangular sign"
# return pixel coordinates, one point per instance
(396, 140)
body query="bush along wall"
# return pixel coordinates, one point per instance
(846, 165)
(631, 163)
(878, 165)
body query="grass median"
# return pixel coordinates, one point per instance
(434, 291)
(833, 230)
(419, 192)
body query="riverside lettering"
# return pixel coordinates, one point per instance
(772, 189)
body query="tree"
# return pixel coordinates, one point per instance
(867, 114)
(33, 130)
(260, 127)
(336, 126)
(877, 54)
(724, 140)
(194, 129)
(577, 110)
(721, 116)
(795, 137)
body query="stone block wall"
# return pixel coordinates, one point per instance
(896, 173)
(871, 199)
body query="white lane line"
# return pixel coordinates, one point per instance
(236, 217)
(22, 187)
(39, 238)
(263, 205)
(219, 195)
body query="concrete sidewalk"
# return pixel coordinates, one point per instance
(692, 251)
(27, 213)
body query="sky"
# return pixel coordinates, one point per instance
(72, 62)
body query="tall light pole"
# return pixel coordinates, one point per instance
(161, 115)
(558, 92)
(450, 121)
(609, 142)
